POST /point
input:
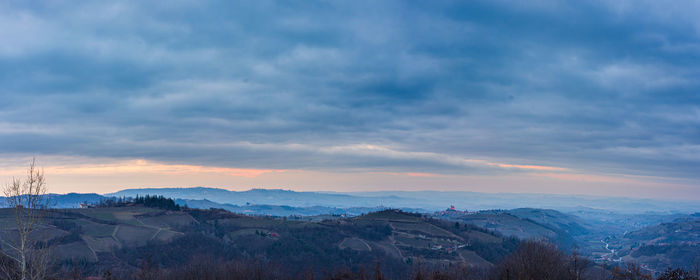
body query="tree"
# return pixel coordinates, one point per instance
(677, 274)
(29, 201)
(534, 260)
(147, 270)
(631, 271)
(107, 275)
(578, 265)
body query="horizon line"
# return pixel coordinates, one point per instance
(400, 191)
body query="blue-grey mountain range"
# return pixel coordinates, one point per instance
(427, 200)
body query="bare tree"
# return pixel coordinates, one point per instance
(29, 201)
(578, 265)
(534, 260)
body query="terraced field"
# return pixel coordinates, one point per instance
(415, 236)
(122, 235)
(82, 234)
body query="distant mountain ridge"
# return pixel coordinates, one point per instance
(283, 210)
(69, 200)
(259, 196)
(428, 200)
(425, 201)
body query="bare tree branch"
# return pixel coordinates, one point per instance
(29, 200)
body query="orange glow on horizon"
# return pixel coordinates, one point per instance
(587, 178)
(530, 167)
(410, 174)
(144, 166)
(420, 174)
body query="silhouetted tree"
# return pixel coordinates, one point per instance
(631, 271)
(534, 260)
(29, 200)
(147, 269)
(677, 274)
(107, 275)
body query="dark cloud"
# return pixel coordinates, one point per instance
(590, 86)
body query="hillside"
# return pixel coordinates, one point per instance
(524, 224)
(674, 243)
(413, 236)
(87, 234)
(119, 238)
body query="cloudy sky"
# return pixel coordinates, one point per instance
(577, 97)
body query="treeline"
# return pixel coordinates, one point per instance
(157, 202)
(151, 201)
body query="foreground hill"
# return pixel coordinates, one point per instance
(122, 238)
(87, 234)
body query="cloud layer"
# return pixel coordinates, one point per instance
(441, 87)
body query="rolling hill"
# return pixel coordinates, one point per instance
(657, 247)
(119, 238)
(524, 224)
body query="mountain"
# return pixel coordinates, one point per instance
(73, 200)
(282, 210)
(69, 200)
(428, 200)
(438, 200)
(258, 196)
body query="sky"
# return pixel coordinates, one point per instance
(567, 97)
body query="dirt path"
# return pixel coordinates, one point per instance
(365, 242)
(393, 242)
(91, 250)
(114, 236)
(461, 257)
(156, 234)
(158, 229)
